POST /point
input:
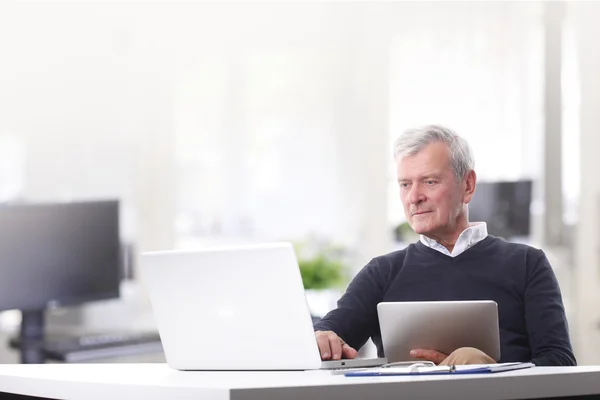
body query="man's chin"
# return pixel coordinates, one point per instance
(421, 229)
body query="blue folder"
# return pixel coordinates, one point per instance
(418, 369)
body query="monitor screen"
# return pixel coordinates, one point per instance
(58, 254)
(505, 206)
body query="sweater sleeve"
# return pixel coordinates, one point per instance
(355, 318)
(545, 315)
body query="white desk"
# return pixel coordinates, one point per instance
(157, 381)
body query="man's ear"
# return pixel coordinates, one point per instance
(470, 183)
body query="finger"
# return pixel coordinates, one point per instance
(335, 344)
(437, 357)
(323, 343)
(348, 352)
(429, 355)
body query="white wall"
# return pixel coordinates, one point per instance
(277, 111)
(93, 105)
(587, 255)
(99, 96)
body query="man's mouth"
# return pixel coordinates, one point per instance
(420, 213)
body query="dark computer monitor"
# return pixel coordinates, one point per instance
(505, 206)
(55, 255)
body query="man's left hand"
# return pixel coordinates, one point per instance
(428, 355)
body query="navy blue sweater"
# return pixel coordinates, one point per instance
(532, 321)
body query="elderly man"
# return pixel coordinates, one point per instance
(453, 260)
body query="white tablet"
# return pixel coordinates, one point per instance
(438, 325)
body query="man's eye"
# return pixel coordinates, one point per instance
(430, 182)
(403, 185)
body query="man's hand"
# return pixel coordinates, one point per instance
(428, 355)
(332, 347)
(461, 356)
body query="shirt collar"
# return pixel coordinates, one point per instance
(476, 232)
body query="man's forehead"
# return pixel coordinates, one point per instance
(424, 174)
(409, 167)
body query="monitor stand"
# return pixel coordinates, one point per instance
(31, 337)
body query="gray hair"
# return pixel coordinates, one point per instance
(414, 140)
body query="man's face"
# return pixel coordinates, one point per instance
(430, 194)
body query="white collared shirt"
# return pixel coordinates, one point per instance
(475, 233)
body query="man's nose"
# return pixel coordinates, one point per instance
(415, 196)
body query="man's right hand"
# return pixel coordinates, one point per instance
(332, 347)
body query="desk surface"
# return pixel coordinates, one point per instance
(158, 381)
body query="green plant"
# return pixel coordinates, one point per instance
(324, 269)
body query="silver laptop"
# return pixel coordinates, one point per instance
(235, 308)
(438, 325)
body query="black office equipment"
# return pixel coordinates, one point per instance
(56, 254)
(95, 346)
(505, 206)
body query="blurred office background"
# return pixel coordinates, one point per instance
(218, 123)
